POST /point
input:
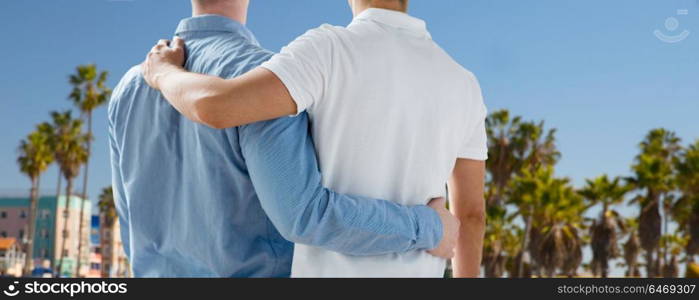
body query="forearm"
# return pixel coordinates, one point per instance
(284, 170)
(196, 96)
(255, 96)
(466, 188)
(358, 225)
(222, 103)
(469, 249)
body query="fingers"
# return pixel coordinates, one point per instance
(446, 254)
(449, 254)
(177, 42)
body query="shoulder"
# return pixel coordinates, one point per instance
(468, 87)
(463, 76)
(470, 78)
(225, 55)
(132, 78)
(473, 85)
(324, 34)
(134, 73)
(475, 95)
(131, 81)
(319, 44)
(327, 30)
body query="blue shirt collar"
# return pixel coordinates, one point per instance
(213, 23)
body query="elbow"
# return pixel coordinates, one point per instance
(206, 112)
(305, 225)
(291, 225)
(474, 217)
(215, 124)
(285, 229)
(293, 233)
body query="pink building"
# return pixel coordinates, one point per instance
(13, 222)
(14, 218)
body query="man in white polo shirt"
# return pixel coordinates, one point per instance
(394, 117)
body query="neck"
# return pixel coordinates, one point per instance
(236, 10)
(359, 6)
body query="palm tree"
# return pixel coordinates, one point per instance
(89, 92)
(537, 146)
(494, 245)
(501, 167)
(686, 209)
(57, 129)
(632, 247)
(513, 146)
(35, 156)
(70, 155)
(524, 193)
(108, 211)
(674, 243)
(502, 164)
(604, 230)
(535, 150)
(107, 207)
(555, 212)
(512, 243)
(558, 224)
(653, 172)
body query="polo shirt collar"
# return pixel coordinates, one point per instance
(395, 19)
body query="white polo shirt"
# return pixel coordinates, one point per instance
(391, 112)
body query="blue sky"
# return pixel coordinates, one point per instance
(591, 68)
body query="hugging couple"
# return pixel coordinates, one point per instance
(332, 158)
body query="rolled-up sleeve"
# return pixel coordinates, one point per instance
(282, 164)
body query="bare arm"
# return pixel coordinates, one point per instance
(466, 188)
(220, 103)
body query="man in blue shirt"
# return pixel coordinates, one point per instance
(198, 202)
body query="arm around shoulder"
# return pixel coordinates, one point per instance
(219, 103)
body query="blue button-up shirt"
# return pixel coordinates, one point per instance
(198, 202)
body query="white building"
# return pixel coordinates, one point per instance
(11, 257)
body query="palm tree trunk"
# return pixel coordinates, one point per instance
(33, 199)
(55, 221)
(84, 195)
(605, 271)
(491, 264)
(666, 219)
(650, 265)
(605, 264)
(58, 186)
(525, 244)
(659, 262)
(69, 187)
